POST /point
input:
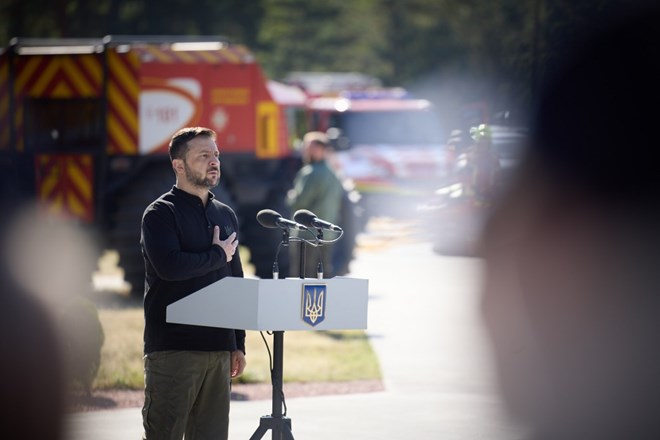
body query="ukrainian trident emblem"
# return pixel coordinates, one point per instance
(313, 303)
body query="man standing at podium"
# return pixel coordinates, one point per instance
(188, 242)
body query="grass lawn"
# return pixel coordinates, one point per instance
(308, 356)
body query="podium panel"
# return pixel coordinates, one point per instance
(338, 303)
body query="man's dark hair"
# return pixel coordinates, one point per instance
(179, 143)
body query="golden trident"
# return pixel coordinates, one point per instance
(314, 306)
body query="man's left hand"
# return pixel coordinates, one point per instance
(238, 363)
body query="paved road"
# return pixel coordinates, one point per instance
(425, 327)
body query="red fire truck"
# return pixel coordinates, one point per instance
(85, 123)
(388, 143)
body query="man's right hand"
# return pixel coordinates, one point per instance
(229, 245)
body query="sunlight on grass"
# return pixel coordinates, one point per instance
(315, 357)
(308, 356)
(121, 356)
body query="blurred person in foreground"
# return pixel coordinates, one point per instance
(571, 296)
(32, 389)
(189, 242)
(316, 188)
(33, 395)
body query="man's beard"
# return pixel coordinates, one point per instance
(199, 180)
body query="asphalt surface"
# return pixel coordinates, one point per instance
(425, 326)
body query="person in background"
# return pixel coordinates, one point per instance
(571, 296)
(316, 188)
(188, 241)
(483, 165)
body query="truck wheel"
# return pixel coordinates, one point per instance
(351, 221)
(124, 234)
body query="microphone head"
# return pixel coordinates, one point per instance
(304, 217)
(268, 218)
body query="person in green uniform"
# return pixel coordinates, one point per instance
(318, 189)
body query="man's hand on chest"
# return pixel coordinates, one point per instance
(228, 245)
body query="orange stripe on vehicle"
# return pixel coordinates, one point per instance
(74, 205)
(123, 108)
(65, 85)
(122, 142)
(123, 95)
(186, 57)
(208, 56)
(26, 72)
(81, 84)
(230, 56)
(92, 66)
(159, 54)
(49, 184)
(121, 134)
(55, 205)
(123, 76)
(80, 194)
(49, 176)
(125, 140)
(61, 90)
(45, 78)
(46, 163)
(133, 60)
(78, 178)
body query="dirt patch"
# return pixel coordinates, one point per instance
(116, 399)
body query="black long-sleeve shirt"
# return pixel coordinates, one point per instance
(177, 230)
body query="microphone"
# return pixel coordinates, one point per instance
(272, 219)
(309, 219)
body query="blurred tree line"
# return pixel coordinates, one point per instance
(499, 49)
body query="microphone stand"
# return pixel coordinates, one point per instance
(301, 263)
(277, 422)
(319, 265)
(285, 243)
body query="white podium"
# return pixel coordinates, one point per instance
(276, 305)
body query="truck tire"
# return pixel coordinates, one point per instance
(124, 234)
(351, 221)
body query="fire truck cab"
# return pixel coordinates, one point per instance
(387, 142)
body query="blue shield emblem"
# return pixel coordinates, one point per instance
(313, 303)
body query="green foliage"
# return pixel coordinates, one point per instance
(94, 19)
(504, 46)
(333, 35)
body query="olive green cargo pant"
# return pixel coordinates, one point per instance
(186, 392)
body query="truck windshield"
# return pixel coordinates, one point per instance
(390, 127)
